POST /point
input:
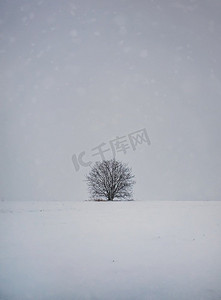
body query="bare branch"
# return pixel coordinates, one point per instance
(110, 179)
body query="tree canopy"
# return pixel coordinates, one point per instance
(110, 179)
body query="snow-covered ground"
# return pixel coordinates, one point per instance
(116, 250)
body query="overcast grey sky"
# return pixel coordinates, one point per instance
(78, 73)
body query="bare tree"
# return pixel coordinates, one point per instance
(110, 179)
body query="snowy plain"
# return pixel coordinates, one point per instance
(160, 250)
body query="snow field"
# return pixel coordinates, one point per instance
(110, 250)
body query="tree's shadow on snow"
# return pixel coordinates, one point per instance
(110, 201)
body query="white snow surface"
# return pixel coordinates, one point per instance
(110, 250)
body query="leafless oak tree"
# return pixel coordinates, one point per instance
(110, 179)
